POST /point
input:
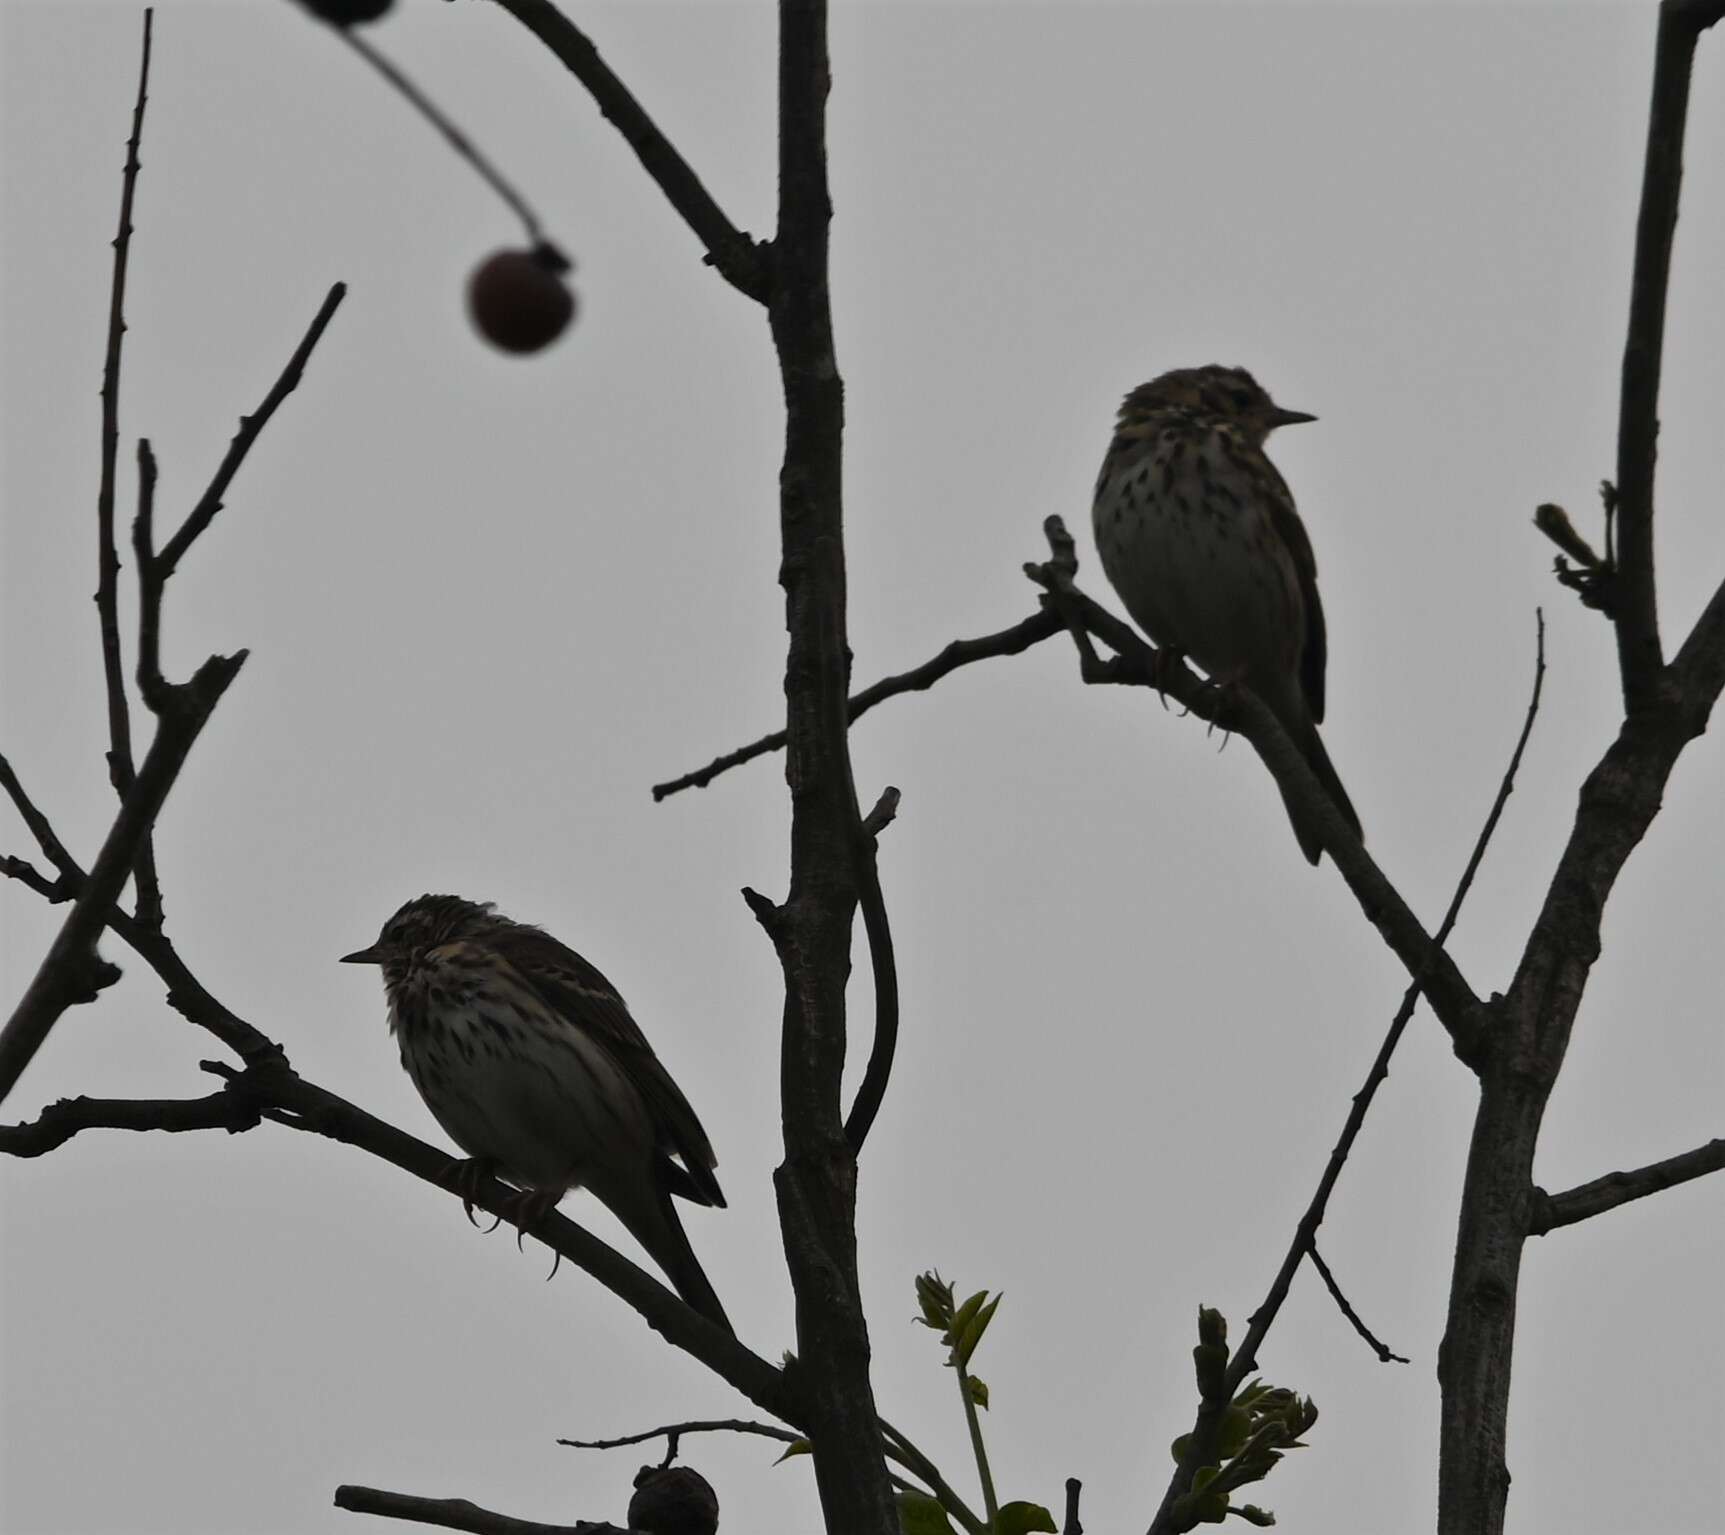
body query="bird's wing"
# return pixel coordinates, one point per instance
(1292, 532)
(578, 991)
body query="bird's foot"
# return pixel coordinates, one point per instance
(463, 1176)
(1166, 664)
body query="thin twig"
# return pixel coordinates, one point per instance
(146, 880)
(742, 263)
(210, 502)
(1245, 1358)
(458, 140)
(456, 1514)
(1386, 1355)
(1008, 642)
(52, 847)
(697, 1426)
(899, 1449)
(120, 767)
(1550, 1211)
(871, 1091)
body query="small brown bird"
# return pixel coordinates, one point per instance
(528, 1057)
(1199, 536)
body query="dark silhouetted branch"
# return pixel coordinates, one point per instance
(1586, 1200)
(230, 1109)
(675, 1431)
(1008, 642)
(871, 1091)
(1386, 1355)
(66, 975)
(1201, 1449)
(120, 766)
(164, 564)
(1640, 657)
(1138, 664)
(731, 252)
(456, 1514)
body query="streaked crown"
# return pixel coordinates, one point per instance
(1229, 396)
(425, 923)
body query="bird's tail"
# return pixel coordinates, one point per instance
(658, 1229)
(1306, 830)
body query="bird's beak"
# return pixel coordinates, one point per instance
(1280, 417)
(363, 957)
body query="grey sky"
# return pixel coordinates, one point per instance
(490, 601)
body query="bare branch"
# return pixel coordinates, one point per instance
(696, 1426)
(1008, 642)
(736, 257)
(871, 1091)
(65, 976)
(1640, 656)
(1136, 663)
(230, 1109)
(456, 1514)
(304, 1106)
(1699, 669)
(120, 769)
(147, 881)
(1385, 1354)
(51, 845)
(1245, 1358)
(164, 564)
(1589, 1199)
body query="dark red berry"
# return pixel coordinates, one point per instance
(519, 300)
(673, 1500)
(348, 13)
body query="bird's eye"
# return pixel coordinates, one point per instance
(1241, 398)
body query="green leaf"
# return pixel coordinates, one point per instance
(974, 1329)
(1178, 1448)
(919, 1514)
(1235, 1429)
(795, 1447)
(961, 1317)
(978, 1391)
(934, 1297)
(1020, 1518)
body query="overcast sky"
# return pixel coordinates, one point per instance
(490, 601)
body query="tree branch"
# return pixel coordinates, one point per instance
(812, 931)
(730, 251)
(1020, 637)
(163, 565)
(456, 1514)
(871, 1091)
(1640, 657)
(71, 973)
(1136, 663)
(1386, 1355)
(1201, 1449)
(120, 767)
(230, 1109)
(1586, 1200)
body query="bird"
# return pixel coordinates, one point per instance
(530, 1060)
(1198, 534)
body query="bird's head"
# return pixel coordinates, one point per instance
(1229, 395)
(425, 923)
